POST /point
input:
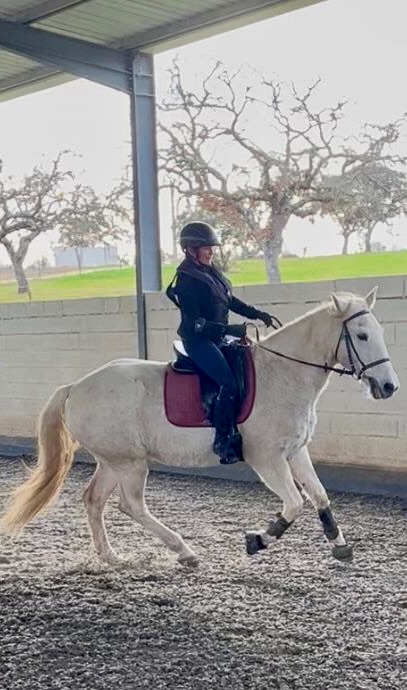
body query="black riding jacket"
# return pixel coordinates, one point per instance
(204, 296)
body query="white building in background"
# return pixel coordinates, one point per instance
(88, 257)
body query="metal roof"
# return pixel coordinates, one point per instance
(148, 25)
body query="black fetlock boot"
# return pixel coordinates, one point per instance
(228, 441)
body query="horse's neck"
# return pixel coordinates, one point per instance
(313, 335)
(311, 338)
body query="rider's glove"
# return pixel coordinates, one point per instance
(265, 317)
(268, 319)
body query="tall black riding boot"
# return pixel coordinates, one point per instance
(228, 441)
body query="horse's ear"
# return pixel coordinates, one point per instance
(340, 302)
(370, 298)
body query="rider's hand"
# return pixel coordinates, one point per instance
(237, 330)
(265, 317)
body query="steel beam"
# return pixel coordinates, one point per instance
(101, 64)
(145, 187)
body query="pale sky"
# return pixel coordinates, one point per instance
(357, 47)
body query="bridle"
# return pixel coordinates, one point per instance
(350, 349)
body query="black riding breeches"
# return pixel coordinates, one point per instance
(209, 358)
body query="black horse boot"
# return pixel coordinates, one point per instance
(228, 441)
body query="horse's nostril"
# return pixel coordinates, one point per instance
(389, 388)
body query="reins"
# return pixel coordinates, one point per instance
(350, 348)
(326, 368)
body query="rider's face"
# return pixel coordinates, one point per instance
(205, 255)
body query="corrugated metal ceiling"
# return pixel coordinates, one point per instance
(102, 21)
(127, 24)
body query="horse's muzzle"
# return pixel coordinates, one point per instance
(381, 391)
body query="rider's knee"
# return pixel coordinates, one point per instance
(230, 388)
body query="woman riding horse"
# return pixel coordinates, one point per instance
(204, 296)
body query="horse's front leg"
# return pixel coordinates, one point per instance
(276, 475)
(304, 473)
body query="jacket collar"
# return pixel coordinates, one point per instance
(203, 273)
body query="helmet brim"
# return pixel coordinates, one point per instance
(197, 244)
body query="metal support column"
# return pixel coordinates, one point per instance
(145, 188)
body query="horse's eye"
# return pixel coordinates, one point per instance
(363, 336)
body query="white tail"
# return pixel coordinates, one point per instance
(56, 451)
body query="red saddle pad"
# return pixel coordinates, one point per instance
(183, 402)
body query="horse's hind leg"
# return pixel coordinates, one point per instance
(132, 503)
(304, 473)
(276, 475)
(95, 496)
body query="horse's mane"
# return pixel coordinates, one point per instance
(327, 305)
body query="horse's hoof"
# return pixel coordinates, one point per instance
(190, 561)
(343, 552)
(254, 543)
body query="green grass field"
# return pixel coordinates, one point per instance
(116, 282)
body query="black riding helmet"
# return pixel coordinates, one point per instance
(198, 234)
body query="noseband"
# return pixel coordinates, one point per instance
(350, 349)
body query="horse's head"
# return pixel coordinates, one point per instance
(361, 345)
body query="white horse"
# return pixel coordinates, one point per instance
(117, 413)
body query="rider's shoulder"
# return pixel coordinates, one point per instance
(185, 280)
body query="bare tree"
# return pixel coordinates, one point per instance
(28, 209)
(41, 265)
(261, 148)
(373, 194)
(90, 219)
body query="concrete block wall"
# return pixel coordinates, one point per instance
(46, 344)
(352, 429)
